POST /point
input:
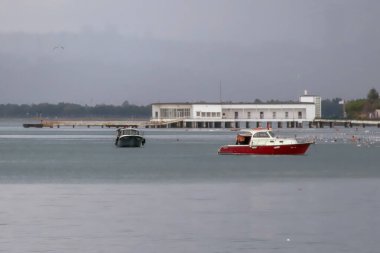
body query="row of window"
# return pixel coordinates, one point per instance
(217, 114)
(172, 113)
(208, 114)
(185, 113)
(274, 115)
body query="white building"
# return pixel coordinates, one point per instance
(313, 99)
(199, 115)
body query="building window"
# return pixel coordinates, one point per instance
(198, 114)
(213, 114)
(203, 114)
(300, 115)
(248, 115)
(156, 115)
(218, 114)
(286, 115)
(274, 115)
(261, 115)
(208, 115)
(171, 113)
(236, 115)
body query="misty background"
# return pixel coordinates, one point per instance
(146, 51)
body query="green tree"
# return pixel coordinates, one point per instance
(355, 108)
(373, 95)
(125, 103)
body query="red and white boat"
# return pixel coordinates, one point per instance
(262, 141)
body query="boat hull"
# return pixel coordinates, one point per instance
(130, 141)
(291, 149)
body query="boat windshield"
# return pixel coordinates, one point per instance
(261, 135)
(271, 134)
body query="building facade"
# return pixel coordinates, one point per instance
(229, 115)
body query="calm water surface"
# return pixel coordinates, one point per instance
(72, 190)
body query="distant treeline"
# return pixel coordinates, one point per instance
(364, 108)
(330, 109)
(355, 109)
(69, 110)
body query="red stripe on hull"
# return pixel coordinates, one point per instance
(292, 149)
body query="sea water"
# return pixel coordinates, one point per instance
(73, 190)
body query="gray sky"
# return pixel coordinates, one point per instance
(145, 51)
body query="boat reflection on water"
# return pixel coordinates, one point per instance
(129, 137)
(262, 141)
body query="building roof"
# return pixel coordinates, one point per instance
(231, 103)
(309, 96)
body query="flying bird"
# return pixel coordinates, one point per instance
(58, 47)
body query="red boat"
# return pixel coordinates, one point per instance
(262, 141)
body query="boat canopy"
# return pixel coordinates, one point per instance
(257, 132)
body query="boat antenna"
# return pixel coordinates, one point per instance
(220, 91)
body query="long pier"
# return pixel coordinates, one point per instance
(346, 123)
(88, 123)
(191, 123)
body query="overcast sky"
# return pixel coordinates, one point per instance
(144, 51)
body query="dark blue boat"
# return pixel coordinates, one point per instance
(129, 137)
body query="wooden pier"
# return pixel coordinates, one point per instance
(88, 123)
(191, 123)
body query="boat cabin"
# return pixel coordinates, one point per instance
(260, 137)
(127, 131)
(254, 136)
(243, 138)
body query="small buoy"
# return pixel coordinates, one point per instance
(287, 239)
